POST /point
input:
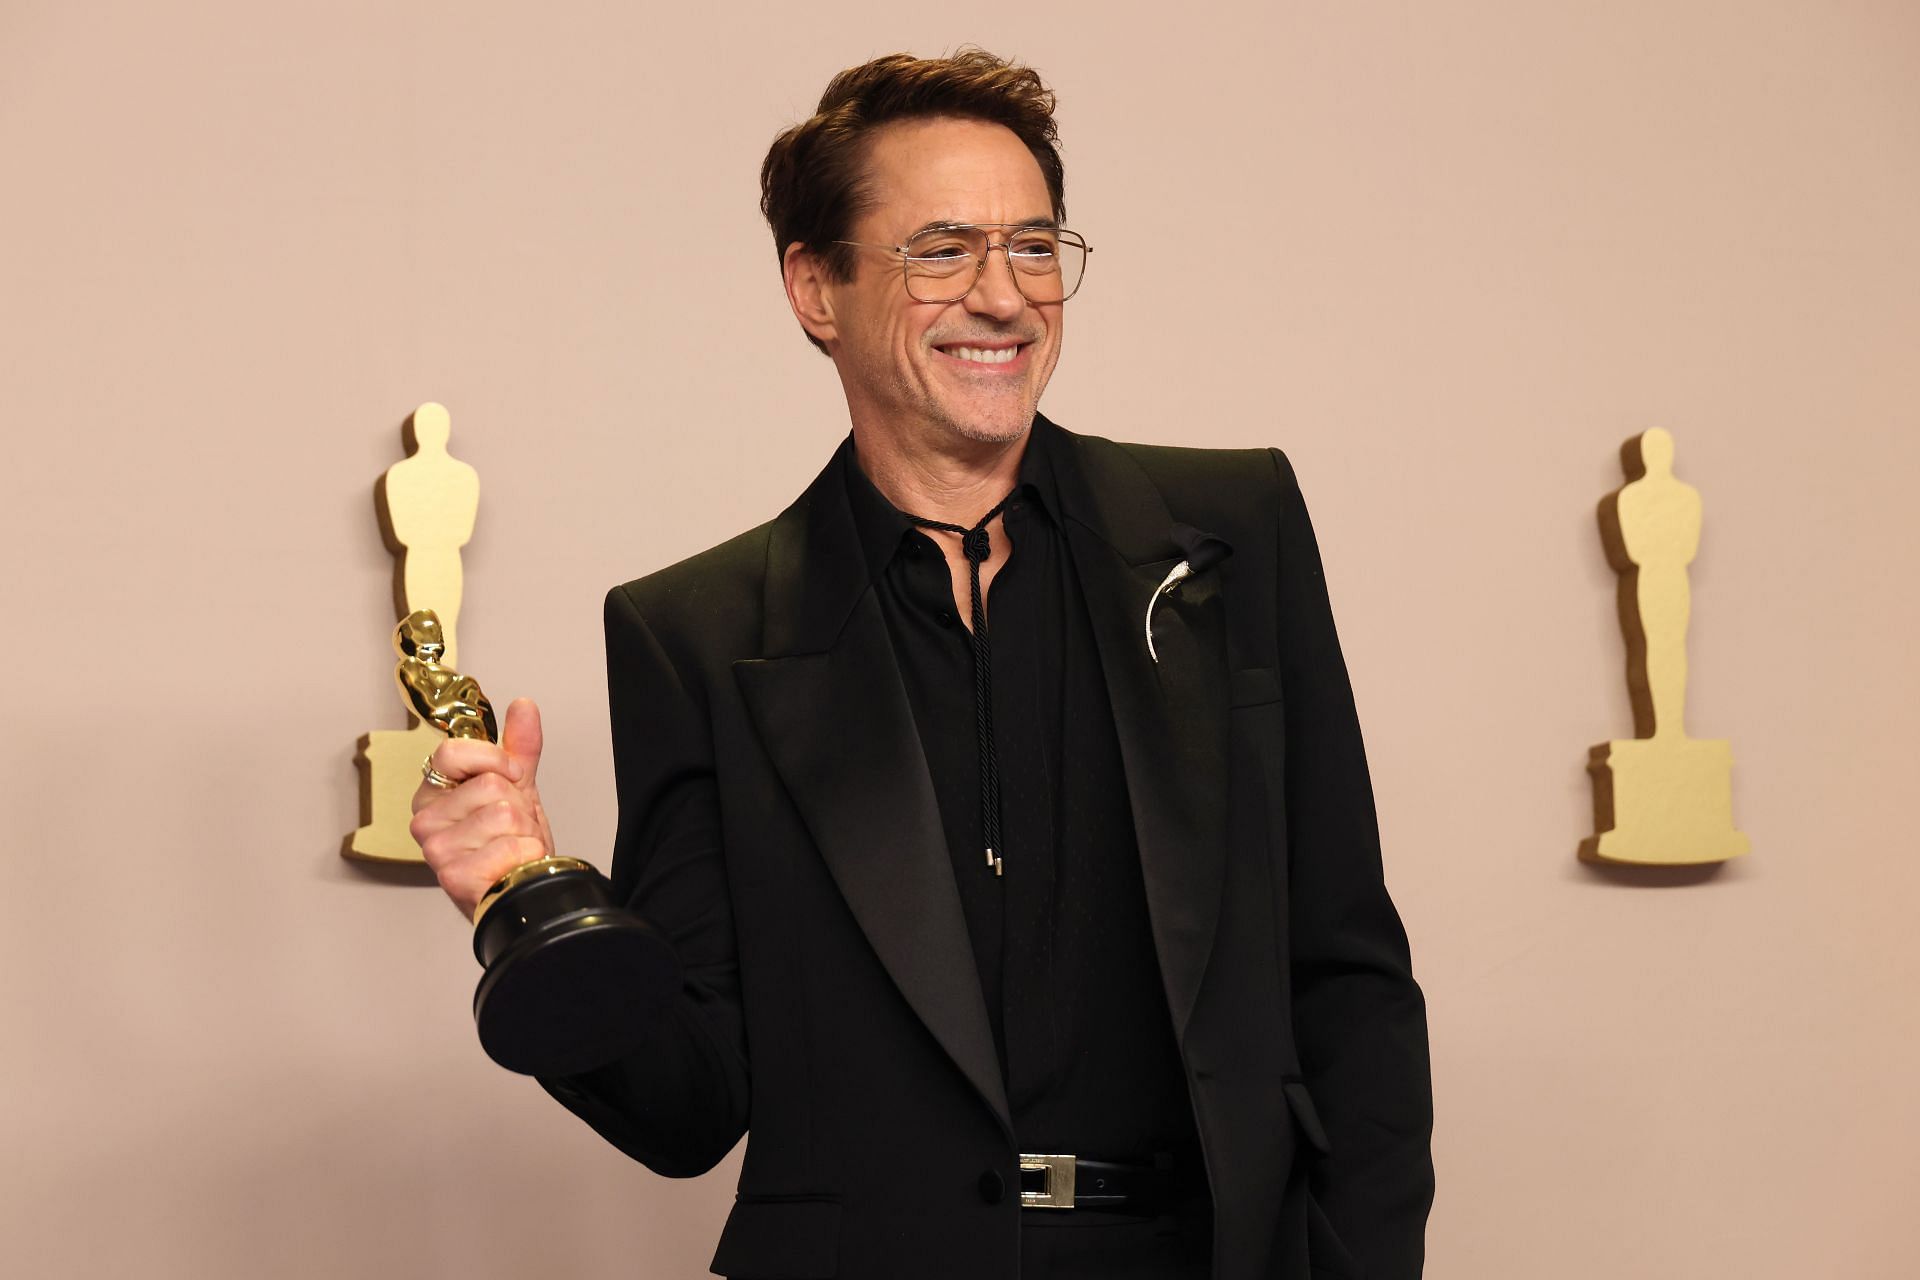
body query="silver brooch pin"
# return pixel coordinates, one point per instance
(1202, 551)
(1181, 572)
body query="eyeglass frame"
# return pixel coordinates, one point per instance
(980, 267)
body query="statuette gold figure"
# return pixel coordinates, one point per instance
(439, 695)
(1661, 797)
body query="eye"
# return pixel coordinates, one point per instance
(937, 247)
(1032, 247)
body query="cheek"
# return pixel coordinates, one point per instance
(910, 339)
(1053, 349)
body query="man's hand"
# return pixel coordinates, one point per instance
(492, 821)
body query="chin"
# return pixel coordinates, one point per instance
(1000, 424)
(995, 432)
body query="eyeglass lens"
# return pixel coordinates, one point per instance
(943, 264)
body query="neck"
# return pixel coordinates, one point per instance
(953, 480)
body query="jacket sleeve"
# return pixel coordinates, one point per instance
(1359, 1017)
(679, 1104)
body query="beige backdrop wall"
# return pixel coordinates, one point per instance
(1447, 255)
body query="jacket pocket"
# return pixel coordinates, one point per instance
(780, 1238)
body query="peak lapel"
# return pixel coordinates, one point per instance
(832, 711)
(1171, 717)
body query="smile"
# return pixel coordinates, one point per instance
(984, 355)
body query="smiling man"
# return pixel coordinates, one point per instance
(1003, 796)
(930, 347)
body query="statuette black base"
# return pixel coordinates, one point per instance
(574, 981)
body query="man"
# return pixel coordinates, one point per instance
(985, 832)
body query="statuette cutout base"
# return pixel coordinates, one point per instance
(1659, 803)
(389, 772)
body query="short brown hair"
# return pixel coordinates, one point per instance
(813, 182)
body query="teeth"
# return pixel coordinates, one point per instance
(980, 356)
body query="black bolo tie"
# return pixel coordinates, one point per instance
(975, 546)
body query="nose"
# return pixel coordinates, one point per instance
(995, 293)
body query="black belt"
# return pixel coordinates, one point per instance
(1075, 1182)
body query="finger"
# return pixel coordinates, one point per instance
(521, 737)
(489, 822)
(450, 804)
(445, 835)
(461, 758)
(503, 853)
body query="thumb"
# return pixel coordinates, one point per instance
(521, 739)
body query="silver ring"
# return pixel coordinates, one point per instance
(434, 777)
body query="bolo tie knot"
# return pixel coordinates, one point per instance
(976, 547)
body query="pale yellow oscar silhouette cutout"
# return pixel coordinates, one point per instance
(428, 502)
(1659, 798)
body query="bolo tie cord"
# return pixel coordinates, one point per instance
(975, 545)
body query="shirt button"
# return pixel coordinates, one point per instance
(946, 619)
(992, 1187)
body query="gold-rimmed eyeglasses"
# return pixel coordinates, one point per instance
(944, 263)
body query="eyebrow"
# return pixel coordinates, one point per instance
(947, 224)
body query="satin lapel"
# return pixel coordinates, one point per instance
(1171, 718)
(832, 712)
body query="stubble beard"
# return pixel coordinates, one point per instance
(1005, 421)
(988, 429)
(1000, 424)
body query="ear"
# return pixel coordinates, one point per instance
(809, 292)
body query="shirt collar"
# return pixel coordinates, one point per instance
(882, 527)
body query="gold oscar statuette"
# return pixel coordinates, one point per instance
(573, 980)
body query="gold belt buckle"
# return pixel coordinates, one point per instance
(1056, 1186)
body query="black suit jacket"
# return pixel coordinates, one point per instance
(777, 820)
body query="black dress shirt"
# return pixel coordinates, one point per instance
(1062, 939)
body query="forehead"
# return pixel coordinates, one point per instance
(947, 170)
